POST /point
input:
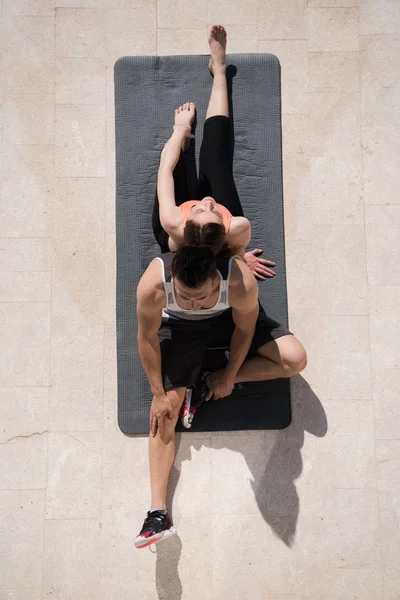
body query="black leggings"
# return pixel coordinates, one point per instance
(215, 176)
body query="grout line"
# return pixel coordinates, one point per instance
(368, 306)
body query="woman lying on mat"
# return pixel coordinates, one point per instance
(217, 220)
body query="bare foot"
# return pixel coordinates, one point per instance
(184, 116)
(217, 41)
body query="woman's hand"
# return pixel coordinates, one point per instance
(259, 266)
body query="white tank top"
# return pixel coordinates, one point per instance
(173, 310)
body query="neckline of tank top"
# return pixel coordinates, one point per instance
(221, 279)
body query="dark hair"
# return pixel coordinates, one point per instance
(212, 235)
(193, 265)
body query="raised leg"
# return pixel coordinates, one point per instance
(218, 103)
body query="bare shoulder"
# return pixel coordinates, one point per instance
(243, 289)
(150, 291)
(239, 232)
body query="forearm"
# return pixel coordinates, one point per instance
(240, 345)
(150, 354)
(172, 149)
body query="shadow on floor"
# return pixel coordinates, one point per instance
(273, 480)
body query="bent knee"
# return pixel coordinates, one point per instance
(295, 360)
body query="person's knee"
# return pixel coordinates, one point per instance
(171, 420)
(295, 358)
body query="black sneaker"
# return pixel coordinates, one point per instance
(194, 398)
(157, 526)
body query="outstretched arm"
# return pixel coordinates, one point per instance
(170, 214)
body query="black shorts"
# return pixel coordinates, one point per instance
(184, 343)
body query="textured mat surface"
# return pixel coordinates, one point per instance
(147, 90)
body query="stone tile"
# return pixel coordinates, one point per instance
(21, 521)
(336, 190)
(293, 57)
(191, 477)
(239, 467)
(387, 464)
(380, 87)
(282, 21)
(110, 278)
(110, 360)
(384, 299)
(351, 461)
(199, 582)
(387, 419)
(123, 456)
(296, 135)
(182, 41)
(71, 558)
(25, 344)
(342, 417)
(335, 124)
(333, 72)
(25, 287)
(348, 583)
(43, 8)
(235, 12)
(241, 38)
(126, 582)
(82, 3)
(28, 56)
(80, 32)
(343, 358)
(21, 593)
(297, 198)
(384, 333)
(301, 289)
(340, 270)
(28, 119)
(385, 384)
(76, 396)
(80, 81)
(382, 16)
(23, 463)
(332, 3)
(24, 411)
(380, 43)
(124, 506)
(382, 234)
(78, 293)
(31, 37)
(380, 147)
(174, 14)
(25, 254)
(332, 29)
(389, 508)
(79, 215)
(131, 31)
(26, 208)
(80, 141)
(74, 475)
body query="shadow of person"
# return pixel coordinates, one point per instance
(273, 483)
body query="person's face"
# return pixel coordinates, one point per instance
(193, 299)
(206, 211)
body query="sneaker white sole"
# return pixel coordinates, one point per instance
(143, 542)
(186, 415)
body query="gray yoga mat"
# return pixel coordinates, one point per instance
(147, 90)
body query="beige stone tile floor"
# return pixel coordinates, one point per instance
(309, 513)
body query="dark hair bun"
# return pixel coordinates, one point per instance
(193, 265)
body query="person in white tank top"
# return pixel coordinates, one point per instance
(172, 339)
